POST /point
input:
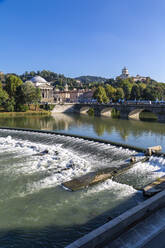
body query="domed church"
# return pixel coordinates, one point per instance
(45, 87)
(125, 73)
(38, 79)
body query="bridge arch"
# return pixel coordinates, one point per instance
(107, 111)
(148, 115)
(84, 110)
(136, 114)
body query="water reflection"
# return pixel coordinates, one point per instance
(138, 133)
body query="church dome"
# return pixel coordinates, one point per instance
(38, 79)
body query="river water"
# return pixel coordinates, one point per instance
(138, 133)
(35, 210)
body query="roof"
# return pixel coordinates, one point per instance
(38, 79)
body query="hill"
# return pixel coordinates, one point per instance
(90, 79)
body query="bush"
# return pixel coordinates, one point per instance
(91, 112)
(9, 106)
(22, 108)
(48, 107)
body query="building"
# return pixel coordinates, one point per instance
(66, 95)
(86, 96)
(61, 96)
(45, 87)
(72, 96)
(139, 78)
(66, 87)
(54, 95)
(125, 73)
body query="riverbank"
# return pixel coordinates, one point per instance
(30, 112)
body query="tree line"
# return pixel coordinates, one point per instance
(57, 80)
(105, 89)
(16, 95)
(113, 90)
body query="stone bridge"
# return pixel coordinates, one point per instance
(127, 111)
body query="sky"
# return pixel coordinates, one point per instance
(83, 37)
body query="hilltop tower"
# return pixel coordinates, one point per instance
(125, 73)
(66, 87)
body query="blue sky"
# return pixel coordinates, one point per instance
(83, 37)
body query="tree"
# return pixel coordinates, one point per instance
(119, 94)
(12, 83)
(3, 96)
(100, 95)
(127, 87)
(150, 93)
(37, 97)
(10, 105)
(29, 93)
(142, 87)
(110, 91)
(135, 92)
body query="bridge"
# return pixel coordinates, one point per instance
(127, 111)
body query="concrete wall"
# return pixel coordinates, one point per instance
(112, 229)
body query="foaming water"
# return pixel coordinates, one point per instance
(122, 190)
(143, 173)
(40, 208)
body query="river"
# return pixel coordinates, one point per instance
(35, 210)
(138, 133)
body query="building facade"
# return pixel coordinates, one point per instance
(139, 78)
(45, 87)
(125, 74)
(72, 96)
(54, 95)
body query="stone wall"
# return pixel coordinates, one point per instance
(64, 108)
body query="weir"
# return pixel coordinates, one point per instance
(36, 180)
(136, 148)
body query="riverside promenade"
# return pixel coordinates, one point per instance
(148, 233)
